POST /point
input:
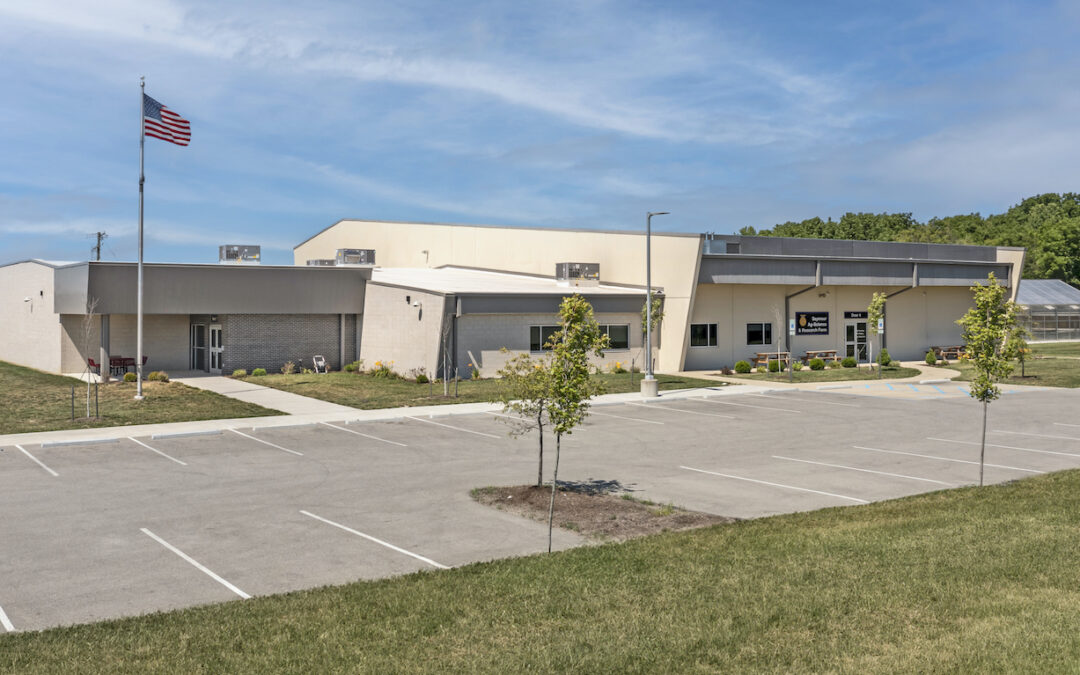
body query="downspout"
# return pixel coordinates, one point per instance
(885, 307)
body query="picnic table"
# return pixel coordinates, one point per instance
(953, 351)
(824, 354)
(763, 358)
(121, 364)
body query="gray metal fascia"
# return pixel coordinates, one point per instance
(753, 256)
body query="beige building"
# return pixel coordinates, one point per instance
(726, 298)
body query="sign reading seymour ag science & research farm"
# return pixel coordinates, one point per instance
(811, 323)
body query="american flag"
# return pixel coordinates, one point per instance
(160, 122)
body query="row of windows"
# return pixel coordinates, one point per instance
(704, 334)
(618, 336)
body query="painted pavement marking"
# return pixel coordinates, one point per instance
(855, 468)
(199, 566)
(157, 451)
(272, 445)
(450, 426)
(1006, 447)
(779, 485)
(655, 406)
(37, 461)
(945, 459)
(374, 438)
(421, 558)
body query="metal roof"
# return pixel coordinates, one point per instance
(466, 281)
(1047, 292)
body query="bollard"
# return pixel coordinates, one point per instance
(97, 411)
(456, 378)
(72, 403)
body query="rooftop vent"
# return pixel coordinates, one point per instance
(355, 256)
(321, 262)
(239, 254)
(577, 274)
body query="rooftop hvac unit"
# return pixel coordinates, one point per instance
(355, 256)
(321, 262)
(577, 274)
(239, 254)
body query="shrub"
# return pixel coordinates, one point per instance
(797, 366)
(849, 362)
(834, 364)
(931, 358)
(289, 368)
(307, 371)
(616, 368)
(725, 371)
(883, 358)
(239, 372)
(384, 369)
(355, 366)
(742, 367)
(130, 377)
(158, 376)
(258, 372)
(774, 366)
(817, 364)
(421, 379)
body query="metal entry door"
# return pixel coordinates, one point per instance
(216, 349)
(855, 340)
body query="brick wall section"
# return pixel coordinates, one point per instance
(269, 340)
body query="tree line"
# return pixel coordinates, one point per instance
(1047, 225)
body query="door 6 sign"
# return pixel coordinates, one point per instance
(811, 323)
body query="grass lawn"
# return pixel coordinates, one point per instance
(831, 374)
(368, 392)
(968, 580)
(1057, 349)
(38, 401)
(1045, 372)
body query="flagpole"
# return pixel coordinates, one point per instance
(142, 179)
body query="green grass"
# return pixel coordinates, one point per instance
(1044, 372)
(832, 374)
(369, 392)
(38, 401)
(1057, 349)
(969, 580)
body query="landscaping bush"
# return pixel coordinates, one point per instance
(774, 366)
(422, 379)
(817, 364)
(158, 376)
(258, 372)
(239, 372)
(849, 362)
(726, 371)
(834, 364)
(384, 369)
(797, 366)
(883, 358)
(931, 358)
(742, 367)
(355, 366)
(289, 368)
(130, 377)
(615, 368)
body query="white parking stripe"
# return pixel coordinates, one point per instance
(623, 417)
(196, 563)
(656, 406)
(744, 405)
(265, 442)
(945, 459)
(779, 485)
(38, 461)
(374, 438)
(855, 468)
(807, 400)
(377, 541)
(1006, 447)
(6, 622)
(1026, 433)
(1062, 424)
(157, 451)
(448, 426)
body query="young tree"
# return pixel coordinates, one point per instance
(525, 391)
(657, 314)
(874, 313)
(571, 387)
(87, 335)
(989, 330)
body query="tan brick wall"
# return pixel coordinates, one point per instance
(31, 335)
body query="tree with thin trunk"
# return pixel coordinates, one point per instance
(578, 337)
(87, 335)
(989, 330)
(525, 394)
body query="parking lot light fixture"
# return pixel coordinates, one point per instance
(648, 385)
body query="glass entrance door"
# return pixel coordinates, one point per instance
(198, 346)
(216, 349)
(855, 340)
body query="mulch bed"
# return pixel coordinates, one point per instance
(599, 513)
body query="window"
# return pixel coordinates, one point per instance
(703, 335)
(759, 333)
(539, 336)
(618, 334)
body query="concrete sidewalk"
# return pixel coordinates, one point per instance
(334, 413)
(267, 397)
(926, 373)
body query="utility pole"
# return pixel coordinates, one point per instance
(101, 236)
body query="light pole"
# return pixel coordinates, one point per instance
(649, 387)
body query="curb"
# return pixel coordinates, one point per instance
(79, 441)
(184, 434)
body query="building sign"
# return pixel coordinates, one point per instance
(856, 315)
(811, 323)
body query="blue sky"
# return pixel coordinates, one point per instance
(567, 114)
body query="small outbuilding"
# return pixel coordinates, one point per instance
(1050, 309)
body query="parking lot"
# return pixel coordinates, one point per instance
(95, 531)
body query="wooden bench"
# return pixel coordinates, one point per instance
(947, 353)
(761, 360)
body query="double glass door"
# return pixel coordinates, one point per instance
(216, 349)
(207, 348)
(855, 340)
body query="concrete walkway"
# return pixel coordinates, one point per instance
(267, 397)
(926, 373)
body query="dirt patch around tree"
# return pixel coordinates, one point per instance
(598, 509)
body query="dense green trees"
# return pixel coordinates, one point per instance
(1047, 225)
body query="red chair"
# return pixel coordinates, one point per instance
(93, 364)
